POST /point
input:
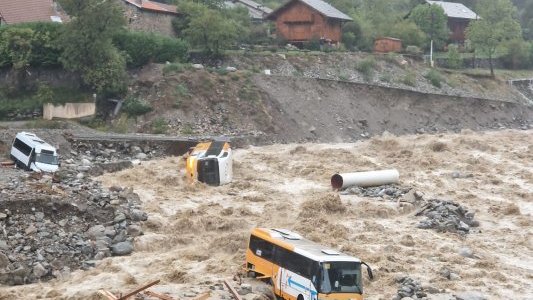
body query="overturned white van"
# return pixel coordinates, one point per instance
(32, 153)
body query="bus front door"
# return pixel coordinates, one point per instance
(277, 281)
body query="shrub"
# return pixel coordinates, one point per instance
(343, 77)
(366, 67)
(349, 40)
(135, 107)
(44, 94)
(434, 77)
(409, 79)
(411, 49)
(386, 77)
(159, 126)
(187, 129)
(221, 71)
(454, 58)
(142, 48)
(313, 44)
(409, 33)
(391, 58)
(181, 92)
(518, 54)
(174, 68)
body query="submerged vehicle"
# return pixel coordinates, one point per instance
(29, 152)
(300, 269)
(210, 163)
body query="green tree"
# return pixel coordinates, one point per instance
(16, 45)
(526, 18)
(44, 51)
(87, 44)
(409, 33)
(362, 30)
(16, 49)
(496, 26)
(211, 31)
(190, 10)
(432, 21)
(376, 18)
(241, 18)
(454, 57)
(518, 54)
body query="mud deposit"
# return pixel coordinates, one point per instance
(196, 235)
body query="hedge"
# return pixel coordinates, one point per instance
(45, 52)
(142, 48)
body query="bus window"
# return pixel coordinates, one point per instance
(22, 147)
(296, 263)
(261, 247)
(340, 277)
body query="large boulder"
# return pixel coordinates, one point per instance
(122, 248)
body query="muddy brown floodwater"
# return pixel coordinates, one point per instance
(196, 235)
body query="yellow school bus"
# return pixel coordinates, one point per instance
(300, 269)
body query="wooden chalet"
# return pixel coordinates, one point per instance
(459, 16)
(299, 21)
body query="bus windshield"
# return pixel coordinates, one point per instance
(48, 159)
(340, 277)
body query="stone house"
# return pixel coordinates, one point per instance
(24, 11)
(150, 16)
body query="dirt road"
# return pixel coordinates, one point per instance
(196, 235)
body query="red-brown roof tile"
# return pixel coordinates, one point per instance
(21, 11)
(154, 6)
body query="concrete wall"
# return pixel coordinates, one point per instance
(68, 110)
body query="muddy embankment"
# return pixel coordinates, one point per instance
(333, 111)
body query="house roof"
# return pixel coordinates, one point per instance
(455, 10)
(22, 11)
(255, 10)
(154, 6)
(322, 7)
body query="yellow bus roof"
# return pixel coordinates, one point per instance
(295, 242)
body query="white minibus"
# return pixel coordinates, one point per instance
(32, 153)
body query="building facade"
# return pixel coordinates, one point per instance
(299, 21)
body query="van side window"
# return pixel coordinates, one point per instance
(261, 247)
(22, 147)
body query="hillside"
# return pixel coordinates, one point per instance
(320, 98)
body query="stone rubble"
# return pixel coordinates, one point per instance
(409, 289)
(384, 191)
(52, 225)
(446, 216)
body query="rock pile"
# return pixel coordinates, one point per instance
(51, 227)
(383, 191)
(106, 152)
(98, 158)
(446, 216)
(409, 289)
